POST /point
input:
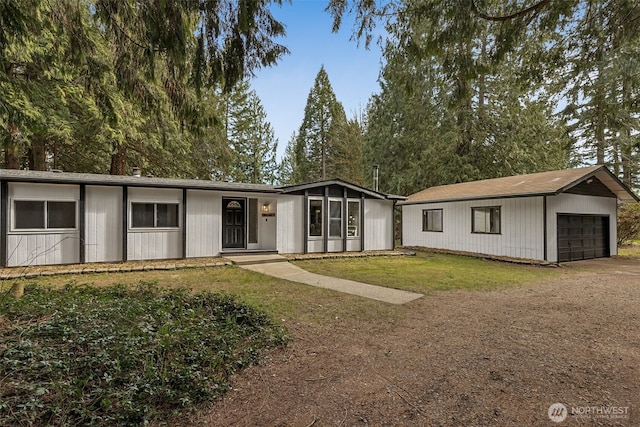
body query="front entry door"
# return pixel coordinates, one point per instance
(234, 225)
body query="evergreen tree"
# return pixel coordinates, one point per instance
(102, 85)
(251, 138)
(450, 115)
(287, 164)
(582, 53)
(319, 151)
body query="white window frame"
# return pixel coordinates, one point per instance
(333, 219)
(308, 219)
(155, 215)
(429, 226)
(45, 228)
(488, 217)
(358, 219)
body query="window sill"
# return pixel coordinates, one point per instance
(152, 229)
(43, 231)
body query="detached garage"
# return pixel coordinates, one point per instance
(555, 216)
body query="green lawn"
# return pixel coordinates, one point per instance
(630, 250)
(65, 331)
(428, 271)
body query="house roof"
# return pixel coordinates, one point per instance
(535, 184)
(131, 181)
(354, 187)
(15, 175)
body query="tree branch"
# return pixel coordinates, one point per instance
(534, 8)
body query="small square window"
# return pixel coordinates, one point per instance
(432, 220)
(61, 214)
(28, 214)
(167, 215)
(485, 220)
(142, 215)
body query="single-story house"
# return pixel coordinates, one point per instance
(553, 216)
(66, 218)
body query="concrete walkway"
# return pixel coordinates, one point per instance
(288, 271)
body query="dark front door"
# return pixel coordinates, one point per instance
(582, 237)
(234, 223)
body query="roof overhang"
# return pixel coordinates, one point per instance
(130, 181)
(617, 187)
(311, 185)
(602, 173)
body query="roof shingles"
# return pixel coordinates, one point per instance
(542, 183)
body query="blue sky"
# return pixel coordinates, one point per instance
(283, 89)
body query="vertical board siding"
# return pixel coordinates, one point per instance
(290, 223)
(43, 249)
(103, 234)
(335, 245)
(46, 247)
(154, 244)
(353, 245)
(521, 232)
(580, 205)
(267, 226)
(203, 223)
(378, 224)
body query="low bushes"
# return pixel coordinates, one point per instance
(121, 356)
(628, 223)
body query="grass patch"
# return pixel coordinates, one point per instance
(630, 250)
(430, 271)
(118, 355)
(282, 299)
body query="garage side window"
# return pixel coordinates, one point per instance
(432, 220)
(485, 220)
(155, 215)
(44, 215)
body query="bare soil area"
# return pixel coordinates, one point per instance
(497, 358)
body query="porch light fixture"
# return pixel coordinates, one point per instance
(266, 208)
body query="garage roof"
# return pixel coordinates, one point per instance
(535, 184)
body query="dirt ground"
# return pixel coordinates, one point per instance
(497, 358)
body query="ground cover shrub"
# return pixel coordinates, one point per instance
(121, 356)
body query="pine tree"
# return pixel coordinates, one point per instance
(251, 138)
(449, 114)
(323, 125)
(287, 164)
(102, 85)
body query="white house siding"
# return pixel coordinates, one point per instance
(378, 224)
(521, 236)
(146, 244)
(566, 203)
(290, 231)
(204, 210)
(353, 245)
(42, 247)
(103, 215)
(334, 245)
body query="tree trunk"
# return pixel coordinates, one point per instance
(119, 160)
(12, 152)
(38, 156)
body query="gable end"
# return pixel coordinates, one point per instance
(591, 187)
